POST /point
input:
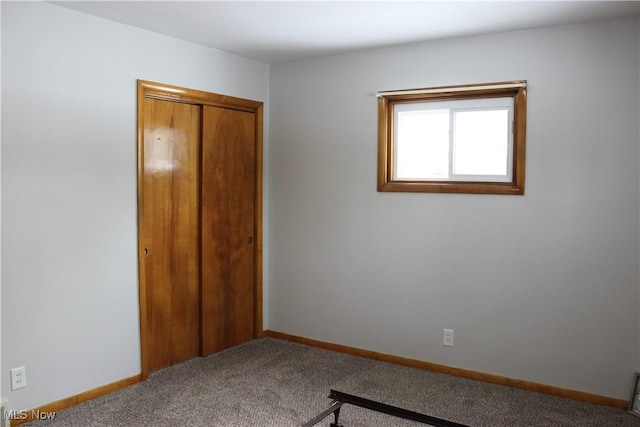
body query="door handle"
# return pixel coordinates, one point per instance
(250, 239)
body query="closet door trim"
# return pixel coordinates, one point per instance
(193, 96)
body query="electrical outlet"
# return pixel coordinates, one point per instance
(448, 338)
(18, 378)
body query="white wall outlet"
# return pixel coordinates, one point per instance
(448, 338)
(18, 378)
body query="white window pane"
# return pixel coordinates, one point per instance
(481, 142)
(422, 144)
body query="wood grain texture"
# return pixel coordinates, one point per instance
(519, 138)
(384, 140)
(171, 230)
(228, 228)
(257, 250)
(197, 97)
(142, 290)
(160, 92)
(385, 169)
(465, 373)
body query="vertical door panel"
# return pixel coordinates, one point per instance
(227, 199)
(170, 231)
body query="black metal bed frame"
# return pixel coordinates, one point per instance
(340, 399)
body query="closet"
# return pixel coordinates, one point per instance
(199, 222)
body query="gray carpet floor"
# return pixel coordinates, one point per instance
(269, 382)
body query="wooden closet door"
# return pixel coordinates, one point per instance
(228, 209)
(170, 234)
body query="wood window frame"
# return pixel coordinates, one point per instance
(388, 99)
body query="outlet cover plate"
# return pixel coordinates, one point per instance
(18, 378)
(447, 338)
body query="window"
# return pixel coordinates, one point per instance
(456, 139)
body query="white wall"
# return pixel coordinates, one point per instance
(541, 287)
(69, 277)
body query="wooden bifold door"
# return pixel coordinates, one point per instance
(199, 222)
